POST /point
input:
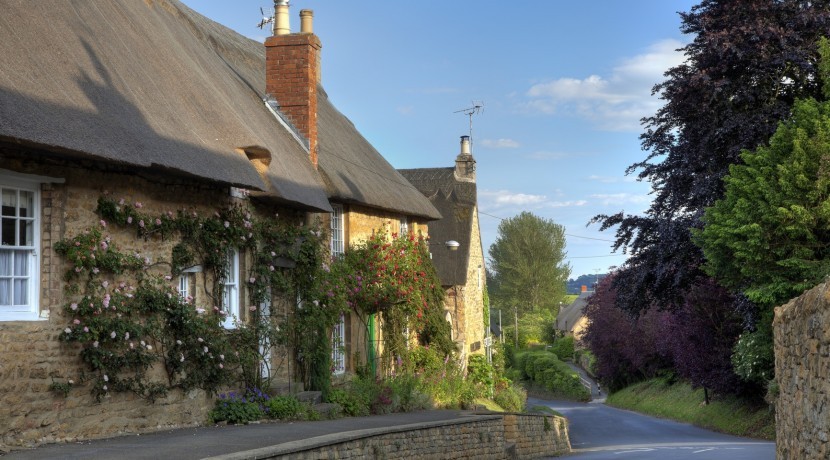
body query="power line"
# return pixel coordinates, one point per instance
(566, 234)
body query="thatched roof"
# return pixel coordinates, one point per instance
(354, 172)
(147, 84)
(569, 315)
(456, 201)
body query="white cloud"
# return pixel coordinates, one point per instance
(611, 179)
(616, 102)
(503, 198)
(499, 143)
(405, 110)
(608, 199)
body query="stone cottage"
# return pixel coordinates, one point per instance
(571, 319)
(461, 267)
(161, 109)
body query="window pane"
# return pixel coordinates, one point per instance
(21, 293)
(9, 202)
(5, 292)
(27, 204)
(21, 263)
(27, 233)
(6, 263)
(7, 232)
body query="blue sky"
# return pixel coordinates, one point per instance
(563, 85)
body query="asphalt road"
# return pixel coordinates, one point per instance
(598, 431)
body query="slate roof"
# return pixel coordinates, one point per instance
(456, 201)
(570, 314)
(148, 84)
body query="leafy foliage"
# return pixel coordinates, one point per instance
(695, 341)
(563, 348)
(625, 348)
(394, 277)
(528, 264)
(748, 63)
(545, 369)
(699, 338)
(768, 235)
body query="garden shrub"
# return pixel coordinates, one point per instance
(544, 369)
(510, 396)
(234, 408)
(284, 408)
(563, 347)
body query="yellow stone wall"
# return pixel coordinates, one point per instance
(468, 311)
(32, 355)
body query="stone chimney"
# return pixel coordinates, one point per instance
(465, 165)
(292, 71)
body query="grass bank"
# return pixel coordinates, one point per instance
(678, 401)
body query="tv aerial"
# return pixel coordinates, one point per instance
(478, 107)
(268, 15)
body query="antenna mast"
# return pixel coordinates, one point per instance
(268, 15)
(478, 107)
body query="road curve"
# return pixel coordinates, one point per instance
(598, 431)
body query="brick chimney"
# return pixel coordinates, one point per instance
(465, 165)
(292, 71)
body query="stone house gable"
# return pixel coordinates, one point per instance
(453, 192)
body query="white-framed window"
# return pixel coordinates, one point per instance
(184, 285)
(19, 248)
(404, 228)
(338, 341)
(338, 244)
(230, 293)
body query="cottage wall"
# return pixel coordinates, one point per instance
(32, 354)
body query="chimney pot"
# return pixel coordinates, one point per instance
(584, 288)
(465, 145)
(281, 22)
(306, 21)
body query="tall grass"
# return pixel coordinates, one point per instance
(679, 401)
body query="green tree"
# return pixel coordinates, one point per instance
(767, 236)
(528, 265)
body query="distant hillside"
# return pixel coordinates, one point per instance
(575, 285)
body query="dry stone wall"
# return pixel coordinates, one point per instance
(511, 436)
(802, 371)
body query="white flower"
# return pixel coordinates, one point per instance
(67, 330)
(113, 334)
(73, 306)
(106, 378)
(95, 344)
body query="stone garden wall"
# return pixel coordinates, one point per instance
(802, 369)
(502, 436)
